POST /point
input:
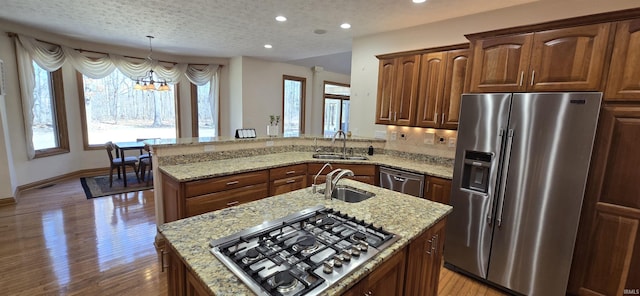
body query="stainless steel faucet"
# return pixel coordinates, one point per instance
(344, 142)
(318, 174)
(330, 183)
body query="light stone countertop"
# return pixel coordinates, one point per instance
(207, 169)
(399, 213)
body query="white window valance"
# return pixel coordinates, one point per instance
(51, 57)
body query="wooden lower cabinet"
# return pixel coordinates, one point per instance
(175, 271)
(194, 287)
(386, 279)
(607, 252)
(437, 189)
(223, 199)
(288, 178)
(424, 258)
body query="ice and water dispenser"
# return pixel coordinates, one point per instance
(475, 173)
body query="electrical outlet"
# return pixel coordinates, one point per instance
(394, 136)
(429, 138)
(209, 148)
(269, 143)
(452, 142)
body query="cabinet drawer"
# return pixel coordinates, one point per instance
(289, 184)
(288, 171)
(228, 198)
(195, 188)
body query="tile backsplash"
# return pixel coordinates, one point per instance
(429, 141)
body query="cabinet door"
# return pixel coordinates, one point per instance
(568, 59)
(194, 287)
(388, 278)
(406, 90)
(607, 249)
(457, 64)
(432, 73)
(500, 63)
(624, 72)
(386, 80)
(176, 273)
(438, 189)
(424, 260)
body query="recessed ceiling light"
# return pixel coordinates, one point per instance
(319, 31)
(345, 26)
(419, 1)
(268, 46)
(281, 18)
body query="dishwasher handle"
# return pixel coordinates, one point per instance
(400, 179)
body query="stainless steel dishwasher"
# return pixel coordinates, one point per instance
(402, 181)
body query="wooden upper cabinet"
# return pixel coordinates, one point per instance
(432, 72)
(406, 90)
(397, 90)
(623, 83)
(386, 80)
(454, 86)
(500, 63)
(568, 59)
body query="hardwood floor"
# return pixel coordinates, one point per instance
(56, 242)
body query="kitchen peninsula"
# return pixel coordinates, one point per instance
(418, 222)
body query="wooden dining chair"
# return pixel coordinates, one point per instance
(119, 162)
(146, 164)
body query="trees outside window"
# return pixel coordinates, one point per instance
(336, 108)
(49, 129)
(114, 111)
(294, 89)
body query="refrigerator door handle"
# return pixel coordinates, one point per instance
(490, 213)
(503, 179)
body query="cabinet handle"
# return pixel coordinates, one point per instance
(290, 172)
(232, 183)
(430, 248)
(233, 203)
(291, 181)
(442, 122)
(521, 77)
(434, 245)
(395, 116)
(533, 76)
(368, 293)
(427, 186)
(435, 117)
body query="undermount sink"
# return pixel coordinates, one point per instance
(339, 156)
(350, 194)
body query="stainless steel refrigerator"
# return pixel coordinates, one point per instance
(520, 171)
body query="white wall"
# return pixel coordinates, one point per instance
(260, 93)
(364, 65)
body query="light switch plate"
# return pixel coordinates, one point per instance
(394, 136)
(209, 148)
(269, 143)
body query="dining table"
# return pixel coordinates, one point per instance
(121, 147)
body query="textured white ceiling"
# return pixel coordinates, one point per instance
(226, 28)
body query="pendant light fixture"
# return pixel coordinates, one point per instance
(149, 80)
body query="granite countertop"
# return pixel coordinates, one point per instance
(207, 169)
(399, 213)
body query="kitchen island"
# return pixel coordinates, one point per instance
(194, 270)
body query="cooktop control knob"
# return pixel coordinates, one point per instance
(363, 247)
(346, 256)
(337, 261)
(355, 252)
(327, 268)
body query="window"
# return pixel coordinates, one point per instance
(113, 111)
(203, 111)
(49, 117)
(336, 108)
(294, 89)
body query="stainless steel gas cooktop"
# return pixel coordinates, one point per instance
(301, 254)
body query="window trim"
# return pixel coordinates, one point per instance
(303, 96)
(332, 96)
(83, 113)
(56, 85)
